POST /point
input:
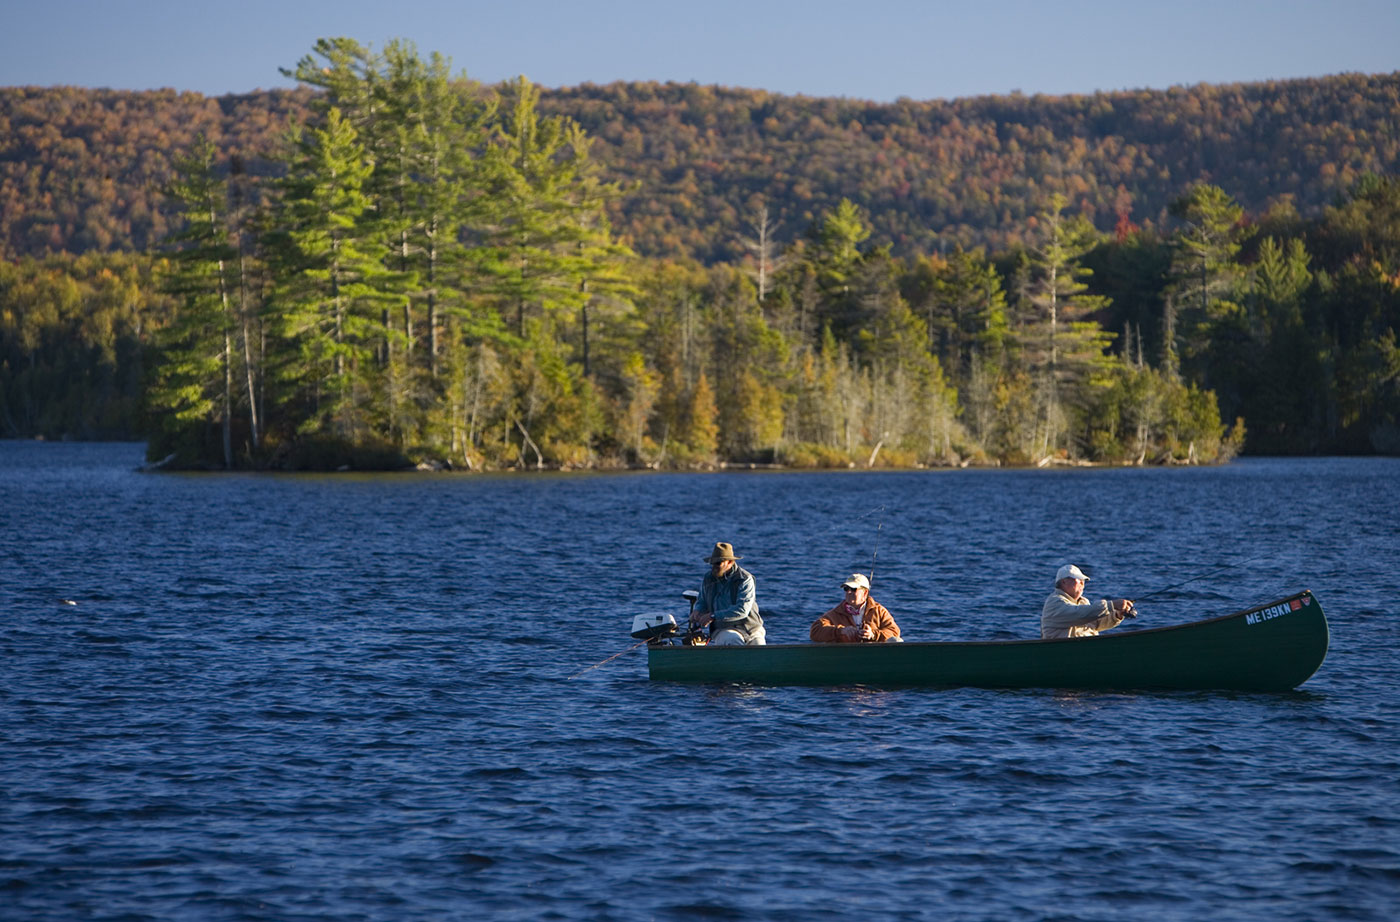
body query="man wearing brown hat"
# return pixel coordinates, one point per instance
(726, 604)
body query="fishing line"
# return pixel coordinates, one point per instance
(1229, 566)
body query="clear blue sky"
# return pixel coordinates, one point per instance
(867, 49)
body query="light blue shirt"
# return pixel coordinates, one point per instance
(730, 600)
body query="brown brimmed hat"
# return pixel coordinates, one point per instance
(723, 551)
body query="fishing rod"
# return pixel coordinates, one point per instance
(1229, 566)
(651, 632)
(611, 658)
(876, 552)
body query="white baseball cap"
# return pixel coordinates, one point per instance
(857, 581)
(1070, 571)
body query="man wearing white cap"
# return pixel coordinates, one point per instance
(858, 619)
(1067, 613)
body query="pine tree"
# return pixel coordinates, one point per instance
(536, 228)
(965, 311)
(332, 286)
(193, 383)
(1204, 272)
(347, 73)
(834, 257)
(1063, 348)
(1281, 276)
(424, 185)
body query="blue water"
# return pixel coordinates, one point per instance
(349, 697)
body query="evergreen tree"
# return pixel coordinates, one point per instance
(538, 230)
(332, 287)
(244, 218)
(966, 311)
(425, 185)
(1062, 347)
(834, 257)
(1204, 273)
(1357, 315)
(193, 382)
(555, 410)
(347, 74)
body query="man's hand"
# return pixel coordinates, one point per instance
(1124, 607)
(850, 633)
(867, 632)
(701, 618)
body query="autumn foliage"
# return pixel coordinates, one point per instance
(394, 265)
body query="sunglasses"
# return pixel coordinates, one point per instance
(850, 588)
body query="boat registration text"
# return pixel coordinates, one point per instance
(1274, 611)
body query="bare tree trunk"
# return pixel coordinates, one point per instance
(762, 248)
(228, 364)
(432, 301)
(228, 398)
(539, 458)
(870, 462)
(262, 357)
(408, 303)
(253, 410)
(475, 407)
(244, 312)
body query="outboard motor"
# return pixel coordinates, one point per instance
(653, 627)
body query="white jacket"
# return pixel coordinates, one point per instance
(1064, 617)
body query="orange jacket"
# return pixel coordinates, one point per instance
(827, 628)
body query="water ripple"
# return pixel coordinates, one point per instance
(309, 697)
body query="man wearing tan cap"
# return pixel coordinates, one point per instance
(1066, 613)
(726, 604)
(858, 619)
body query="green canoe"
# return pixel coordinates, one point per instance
(1273, 647)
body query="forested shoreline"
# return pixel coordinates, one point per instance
(425, 271)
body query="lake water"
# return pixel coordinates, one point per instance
(349, 697)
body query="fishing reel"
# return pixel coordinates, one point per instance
(696, 636)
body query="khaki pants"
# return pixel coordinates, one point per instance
(732, 638)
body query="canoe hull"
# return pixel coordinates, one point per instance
(1273, 647)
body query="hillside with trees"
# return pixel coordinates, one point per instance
(82, 169)
(969, 172)
(394, 265)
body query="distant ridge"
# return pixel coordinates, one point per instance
(80, 169)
